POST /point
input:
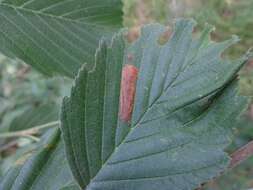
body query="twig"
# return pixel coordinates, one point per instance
(33, 138)
(29, 132)
(241, 155)
(8, 145)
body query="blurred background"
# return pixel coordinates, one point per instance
(29, 99)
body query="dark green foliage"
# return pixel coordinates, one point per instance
(56, 37)
(185, 107)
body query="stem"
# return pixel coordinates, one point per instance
(29, 132)
(241, 155)
(33, 138)
(8, 145)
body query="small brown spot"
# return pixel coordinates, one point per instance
(127, 91)
(133, 34)
(164, 37)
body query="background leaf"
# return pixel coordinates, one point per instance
(35, 116)
(186, 104)
(46, 169)
(56, 37)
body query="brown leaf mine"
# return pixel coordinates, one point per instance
(127, 91)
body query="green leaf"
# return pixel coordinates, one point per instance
(186, 104)
(46, 169)
(9, 179)
(74, 109)
(56, 36)
(35, 116)
(71, 187)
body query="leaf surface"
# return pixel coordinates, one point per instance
(56, 36)
(185, 105)
(45, 169)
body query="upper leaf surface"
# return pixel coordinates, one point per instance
(56, 36)
(185, 105)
